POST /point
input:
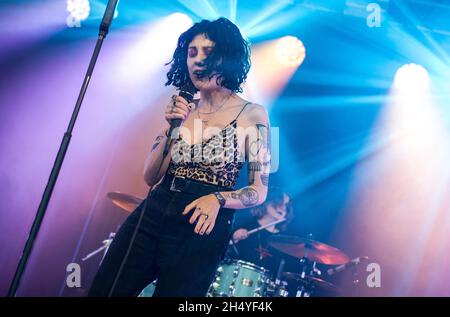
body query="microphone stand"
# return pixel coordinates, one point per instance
(104, 28)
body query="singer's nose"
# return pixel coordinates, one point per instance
(199, 63)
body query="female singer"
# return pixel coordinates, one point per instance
(185, 223)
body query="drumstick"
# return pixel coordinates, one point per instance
(259, 228)
(265, 226)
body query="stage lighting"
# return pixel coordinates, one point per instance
(180, 20)
(79, 8)
(290, 51)
(79, 11)
(412, 78)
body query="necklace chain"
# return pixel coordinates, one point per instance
(205, 122)
(218, 108)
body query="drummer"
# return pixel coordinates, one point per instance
(254, 247)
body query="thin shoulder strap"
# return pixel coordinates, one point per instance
(242, 110)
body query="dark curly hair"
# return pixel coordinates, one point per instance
(229, 59)
(275, 196)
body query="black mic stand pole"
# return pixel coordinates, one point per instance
(104, 28)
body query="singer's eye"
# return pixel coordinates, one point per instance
(207, 50)
(192, 52)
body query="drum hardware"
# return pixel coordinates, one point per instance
(314, 251)
(125, 201)
(247, 282)
(309, 252)
(311, 281)
(281, 290)
(106, 244)
(236, 278)
(148, 290)
(351, 263)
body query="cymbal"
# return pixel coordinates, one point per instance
(125, 201)
(313, 250)
(311, 280)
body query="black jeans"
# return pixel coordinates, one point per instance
(166, 247)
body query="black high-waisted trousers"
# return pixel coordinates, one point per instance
(166, 247)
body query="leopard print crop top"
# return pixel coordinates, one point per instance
(216, 160)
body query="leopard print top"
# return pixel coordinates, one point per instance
(216, 160)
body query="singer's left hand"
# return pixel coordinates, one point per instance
(205, 213)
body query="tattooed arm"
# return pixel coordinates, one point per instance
(257, 148)
(175, 109)
(154, 159)
(258, 156)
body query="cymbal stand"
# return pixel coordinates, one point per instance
(302, 291)
(106, 244)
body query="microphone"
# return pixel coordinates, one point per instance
(187, 91)
(345, 266)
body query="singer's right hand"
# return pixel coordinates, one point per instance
(178, 108)
(240, 234)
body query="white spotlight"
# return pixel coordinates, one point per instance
(79, 11)
(179, 21)
(290, 51)
(412, 78)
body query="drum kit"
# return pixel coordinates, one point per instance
(237, 278)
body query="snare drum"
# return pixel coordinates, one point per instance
(237, 278)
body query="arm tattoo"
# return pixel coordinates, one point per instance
(248, 196)
(263, 132)
(265, 179)
(265, 145)
(260, 156)
(260, 142)
(157, 141)
(253, 167)
(232, 195)
(251, 177)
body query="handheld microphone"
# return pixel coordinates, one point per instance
(187, 91)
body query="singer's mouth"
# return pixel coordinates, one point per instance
(198, 72)
(199, 75)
